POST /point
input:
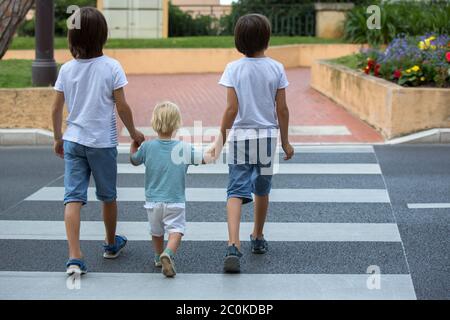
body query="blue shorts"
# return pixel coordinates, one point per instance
(80, 161)
(247, 176)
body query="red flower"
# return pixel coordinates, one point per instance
(370, 63)
(366, 70)
(377, 70)
(447, 56)
(397, 74)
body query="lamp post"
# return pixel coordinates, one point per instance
(44, 68)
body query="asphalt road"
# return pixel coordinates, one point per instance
(363, 214)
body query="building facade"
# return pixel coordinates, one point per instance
(203, 7)
(127, 19)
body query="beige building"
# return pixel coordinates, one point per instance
(203, 7)
(136, 18)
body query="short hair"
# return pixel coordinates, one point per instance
(166, 117)
(252, 34)
(88, 40)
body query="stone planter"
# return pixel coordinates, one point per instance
(26, 108)
(390, 108)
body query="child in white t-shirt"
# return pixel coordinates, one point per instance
(256, 109)
(91, 85)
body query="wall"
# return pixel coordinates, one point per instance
(171, 61)
(330, 19)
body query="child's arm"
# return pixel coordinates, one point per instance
(126, 116)
(227, 122)
(133, 149)
(283, 122)
(57, 117)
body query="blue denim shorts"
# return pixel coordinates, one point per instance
(80, 161)
(249, 171)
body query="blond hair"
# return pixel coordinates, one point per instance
(166, 117)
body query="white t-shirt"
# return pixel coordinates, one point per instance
(88, 86)
(256, 81)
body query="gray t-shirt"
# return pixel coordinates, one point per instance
(166, 163)
(256, 81)
(88, 86)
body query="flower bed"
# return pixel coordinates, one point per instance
(411, 61)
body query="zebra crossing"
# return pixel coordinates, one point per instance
(330, 227)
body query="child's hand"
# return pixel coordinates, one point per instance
(58, 147)
(288, 151)
(138, 137)
(134, 147)
(214, 150)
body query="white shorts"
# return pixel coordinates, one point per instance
(166, 217)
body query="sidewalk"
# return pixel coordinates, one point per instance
(314, 117)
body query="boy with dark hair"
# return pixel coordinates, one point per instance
(92, 86)
(256, 109)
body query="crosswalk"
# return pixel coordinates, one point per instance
(331, 231)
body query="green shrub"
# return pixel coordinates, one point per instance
(183, 24)
(398, 17)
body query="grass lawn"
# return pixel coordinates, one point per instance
(350, 61)
(15, 73)
(23, 43)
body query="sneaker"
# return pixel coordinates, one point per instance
(231, 263)
(259, 246)
(168, 265)
(113, 251)
(76, 266)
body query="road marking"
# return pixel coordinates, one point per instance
(208, 231)
(125, 148)
(214, 131)
(292, 168)
(220, 195)
(95, 286)
(429, 205)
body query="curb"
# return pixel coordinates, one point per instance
(432, 136)
(41, 137)
(25, 137)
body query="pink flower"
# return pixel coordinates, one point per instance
(397, 74)
(447, 56)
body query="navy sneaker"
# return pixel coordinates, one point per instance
(113, 251)
(231, 264)
(259, 246)
(76, 266)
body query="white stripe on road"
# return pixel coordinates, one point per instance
(125, 148)
(291, 168)
(208, 231)
(214, 131)
(95, 286)
(429, 205)
(220, 195)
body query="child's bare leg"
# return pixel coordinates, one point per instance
(110, 220)
(234, 219)
(260, 213)
(158, 244)
(72, 222)
(174, 241)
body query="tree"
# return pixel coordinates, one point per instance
(12, 13)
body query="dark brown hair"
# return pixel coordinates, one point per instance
(87, 41)
(252, 34)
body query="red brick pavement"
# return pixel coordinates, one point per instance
(202, 99)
